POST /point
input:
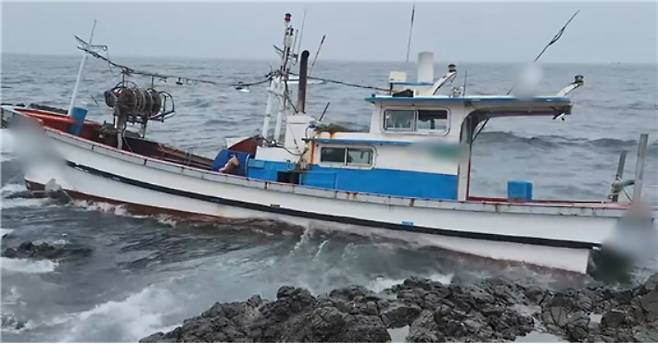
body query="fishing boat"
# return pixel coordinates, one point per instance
(408, 177)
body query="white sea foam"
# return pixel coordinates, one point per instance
(131, 319)
(23, 202)
(27, 265)
(166, 220)
(316, 257)
(5, 231)
(104, 207)
(382, 283)
(12, 188)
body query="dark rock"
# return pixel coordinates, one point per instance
(46, 251)
(613, 318)
(398, 315)
(649, 303)
(493, 310)
(650, 285)
(364, 328)
(423, 329)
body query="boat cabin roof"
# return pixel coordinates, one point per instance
(504, 105)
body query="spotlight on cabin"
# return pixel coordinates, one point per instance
(579, 79)
(452, 68)
(287, 17)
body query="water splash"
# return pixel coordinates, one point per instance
(5, 231)
(23, 265)
(130, 319)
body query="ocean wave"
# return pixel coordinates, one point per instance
(553, 141)
(5, 231)
(8, 203)
(24, 265)
(108, 208)
(130, 319)
(122, 210)
(12, 188)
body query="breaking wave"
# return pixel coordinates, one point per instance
(23, 265)
(127, 320)
(5, 231)
(11, 189)
(23, 202)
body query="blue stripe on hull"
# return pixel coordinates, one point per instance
(376, 180)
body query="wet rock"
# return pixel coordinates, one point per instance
(364, 328)
(649, 303)
(492, 310)
(613, 318)
(46, 251)
(398, 315)
(9, 321)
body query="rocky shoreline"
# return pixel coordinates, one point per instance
(421, 310)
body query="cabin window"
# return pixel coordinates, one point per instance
(399, 120)
(359, 157)
(432, 120)
(332, 155)
(412, 120)
(362, 157)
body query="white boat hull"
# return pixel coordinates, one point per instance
(558, 236)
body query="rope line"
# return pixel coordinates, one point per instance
(180, 79)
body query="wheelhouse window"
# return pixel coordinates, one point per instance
(332, 155)
(432, 120)
(360, 157)
(412, 120)
(399, 120)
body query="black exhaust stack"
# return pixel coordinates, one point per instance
(303, 70)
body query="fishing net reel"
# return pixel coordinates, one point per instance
(136, 105)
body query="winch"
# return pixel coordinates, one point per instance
(135, 105)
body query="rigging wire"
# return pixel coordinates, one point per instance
(126, 70)
(553, 40)
(350, 84)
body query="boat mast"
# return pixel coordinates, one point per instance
(74, 95)
(277, 88)
(288, 47)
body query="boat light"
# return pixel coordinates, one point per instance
(287, 17)
(452, 68)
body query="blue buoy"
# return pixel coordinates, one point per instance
(78, 114)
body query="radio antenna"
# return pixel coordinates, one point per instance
(553, 40)
(411, 28)
(315, 58)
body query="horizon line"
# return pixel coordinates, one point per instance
(339, 60)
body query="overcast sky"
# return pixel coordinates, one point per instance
(460, 32)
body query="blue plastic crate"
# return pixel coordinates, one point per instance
(519, 190)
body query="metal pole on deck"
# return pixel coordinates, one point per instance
(639, 167)
(74, 95)
(301, 93)
(619, 175)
